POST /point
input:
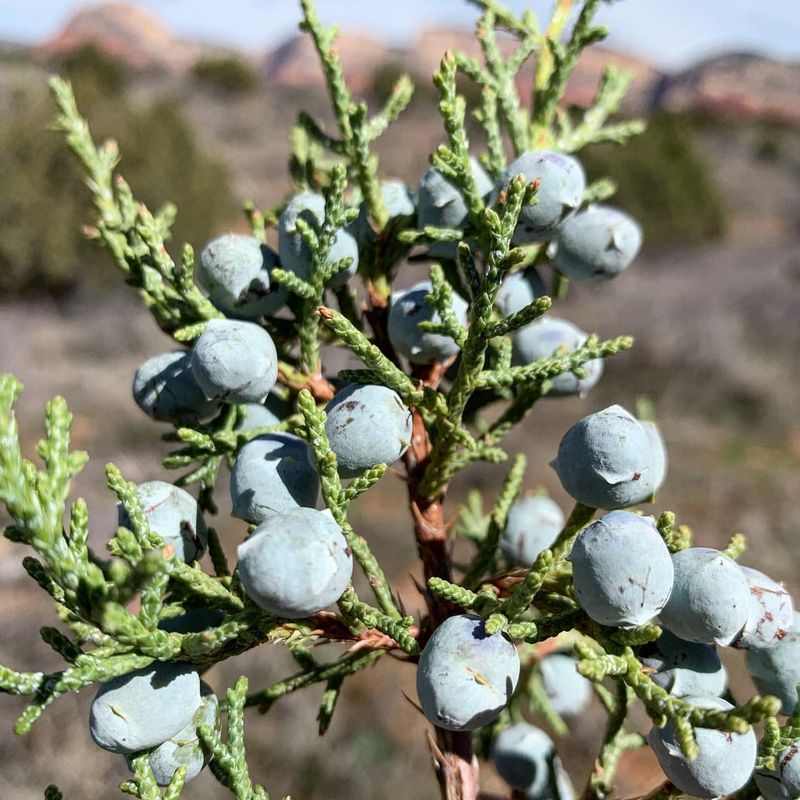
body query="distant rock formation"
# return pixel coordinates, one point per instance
(129, 33)
(582, 87)
(295, 63)
(735, 85)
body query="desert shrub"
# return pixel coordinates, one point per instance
(386, 76)
(44, 204)
(88, 64)
(230, 75)
(769, 144)
(662, 175)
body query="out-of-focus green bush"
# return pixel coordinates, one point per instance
(44, 203)
(664, 181)
(230, 75)
(90, 64)
(386, 76)
(769, 144)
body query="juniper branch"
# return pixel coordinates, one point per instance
(332, 494)
(129, 230)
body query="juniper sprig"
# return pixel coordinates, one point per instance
(458, 387)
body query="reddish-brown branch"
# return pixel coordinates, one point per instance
(430, 527)
(327, 627)
(455, 763)
(320, 387)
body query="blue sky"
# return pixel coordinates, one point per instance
(671, 33)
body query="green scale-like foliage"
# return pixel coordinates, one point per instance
(102, 637)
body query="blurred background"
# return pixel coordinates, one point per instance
(201, 97)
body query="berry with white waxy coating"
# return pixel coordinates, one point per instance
(768, 783)
(783, 782)
(466, 676)
(567, 690)
(236, 272)
(710, 600)
(174, 515)
(295, 563)
(519, 289)
(660, 458)
(551, 336)
(684, 668)
(294, 252)
(562, 183)
(532, 525)
(605, 460)
(398, 198)
(273, 472)
(776, 670)
(263, 415)
(184, 749)
(771, 612)
(521, 754)
(441, 205)
(165, 388)
(235, 362)
(622, 570)
(724, 762)
(258, 415)
(558, 787)
(367, 425)
(407, 310)
(144, 708)
(597, 244)
(399, 202)
(344, 247)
